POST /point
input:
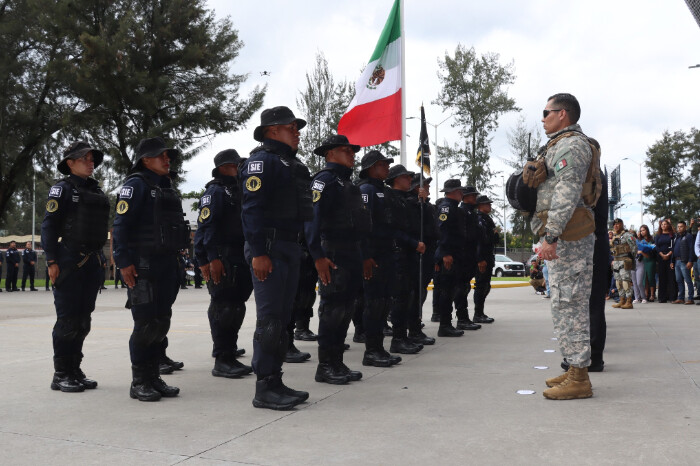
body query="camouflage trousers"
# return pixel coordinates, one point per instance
(623, 279)
(570, 279)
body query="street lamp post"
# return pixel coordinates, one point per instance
(505, 217)
(641, 205)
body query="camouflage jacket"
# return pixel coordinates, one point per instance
(623, 246)
(567, 163)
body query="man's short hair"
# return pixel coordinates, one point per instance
(683, 222)
(569, 103)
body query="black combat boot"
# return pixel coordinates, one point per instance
(388, 331)
(481, 318)
(227, 366)
(159, 384)
(293, 354)
(467, 324)
(302, 395)
(326, 371)
(141, 386)
(80, 375)
(401, 344)
(420, 338)
(240, 352)
(353, 376)
(168, 366)
(302, 332)
(447, 330)
(435, 317)
(359, 337)
(375, 354)
(64, 377)
(270, 393)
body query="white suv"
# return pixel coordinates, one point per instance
(505, 266)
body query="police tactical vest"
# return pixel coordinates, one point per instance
(396, 210)
(457, 234)
(351, 213)
(169, 231)
(86, 225)
(292, 201)
(233, 226)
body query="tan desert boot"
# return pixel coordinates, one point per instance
(619, 304)
(627, 305)
(576, 386)
(554, 381)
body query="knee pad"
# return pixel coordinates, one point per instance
(145, 332)
(67, 329)
(163, 325)
(332, 314)
(85, 325)
(270, 333)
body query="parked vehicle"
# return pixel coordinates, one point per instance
(507, 267)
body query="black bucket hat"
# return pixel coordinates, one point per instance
(451, 185)
(276, 116)
(483, 199)
(398, 170)
(618, 220)
(415, 182)
(369, 159)
(224, 157)
(75, 151)
(333, 141)
(469, 190)
(153, 147)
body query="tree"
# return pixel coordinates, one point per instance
(113, 72)
(673, 166)
(321, 104)
(158, 68)
(473, 89)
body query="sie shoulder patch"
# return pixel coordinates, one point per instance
(206, 200)
(126, 192)
(55, 191)
(318, 185)
(255, 166)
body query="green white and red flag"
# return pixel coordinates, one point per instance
(374, 115)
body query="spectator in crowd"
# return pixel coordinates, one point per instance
(693, 229)
(537, 278)
(683, 258)
(664, 250)
(649, 264)
(545, 274)
(638, 275)
(697, 275)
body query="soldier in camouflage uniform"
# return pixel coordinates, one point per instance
(623, 247)
(566, 159)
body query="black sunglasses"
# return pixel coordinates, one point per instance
(545, 113)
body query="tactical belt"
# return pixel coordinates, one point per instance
(340, 244)
(275, 234)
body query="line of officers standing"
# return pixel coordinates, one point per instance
(266, 226)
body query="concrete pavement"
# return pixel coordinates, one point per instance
(453, 403)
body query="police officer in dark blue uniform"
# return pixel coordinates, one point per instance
(431, 234)
(340, 222)
(218, 245)
(77, 212)
(149, 230)
(303, 307)
(378, 263)
(407, 249)
(12, 259)
(470, 247)
(450, 268)
(28, 266)
(276, 203)
(485, 257)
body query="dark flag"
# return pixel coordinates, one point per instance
(423, 156)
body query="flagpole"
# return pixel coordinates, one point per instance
(403, 87)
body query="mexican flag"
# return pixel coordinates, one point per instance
(374, 115)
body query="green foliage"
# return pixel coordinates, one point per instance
(673, 169)
(321, 104)
(473, 88)
(113, 72)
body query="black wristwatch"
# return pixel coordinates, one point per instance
(550, 239)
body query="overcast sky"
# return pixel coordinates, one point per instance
(626, 61)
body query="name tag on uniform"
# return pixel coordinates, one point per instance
(126, 192)
(380, 194)
(55, 191)
(76, 198)
(255, 167)
(318, 185)
(206, 200)
(445, 210)
(365, 198)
